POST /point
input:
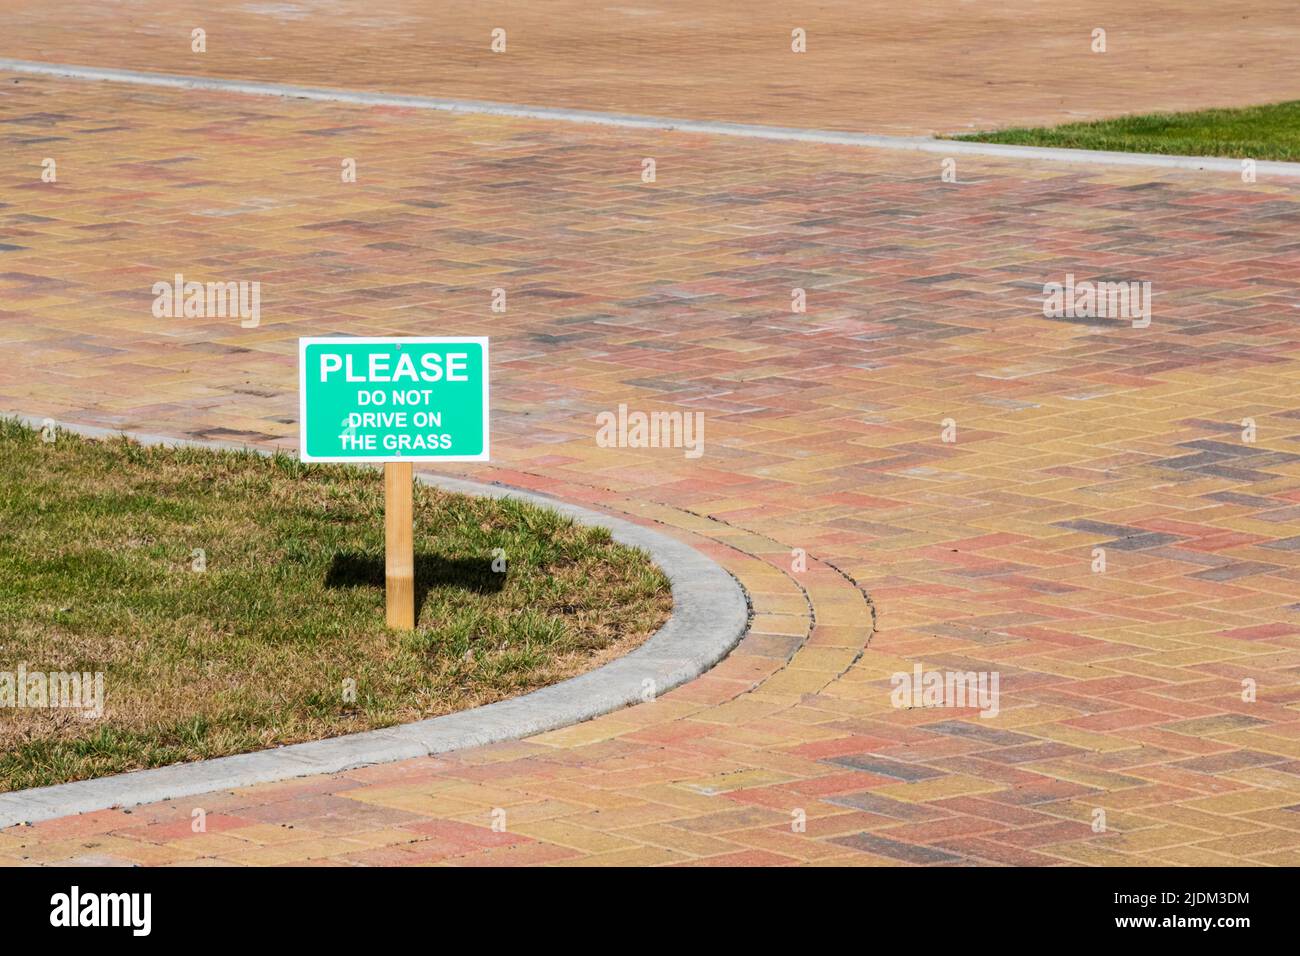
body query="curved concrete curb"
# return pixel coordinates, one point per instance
(924, 144)
(710, 615)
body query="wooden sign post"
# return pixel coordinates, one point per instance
(399, 545)
(395, 401)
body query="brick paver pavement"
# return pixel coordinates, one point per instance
(1121, 691)
(878, 66)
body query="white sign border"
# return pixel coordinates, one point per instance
(304, 341)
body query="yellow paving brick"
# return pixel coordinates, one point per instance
(795, 682)
(939, 788)
(585, 733)
(1191, 856)
(1091, 854)
(1253, 844)
(793, 624)
(1289, 857)
(540, 810)
(833, 660)
(796, 845)
(1085, 776)
(267, 834)
(1209, 822)
(1242, 802)
(574, 837)
(210, 844)
(635, 856)
(739, 780)
(297, 851)
(1152, 838)
(1102, 743)
(679, 840)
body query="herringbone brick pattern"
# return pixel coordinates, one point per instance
(878, 66)
(1122, 691)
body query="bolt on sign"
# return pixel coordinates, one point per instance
(407, 399)
(395, 401)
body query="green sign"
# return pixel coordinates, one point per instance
(400, 399)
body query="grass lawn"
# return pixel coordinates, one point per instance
(1254, 132)
(97, 574)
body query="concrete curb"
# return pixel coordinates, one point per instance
(925, 144)
(710, 615)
